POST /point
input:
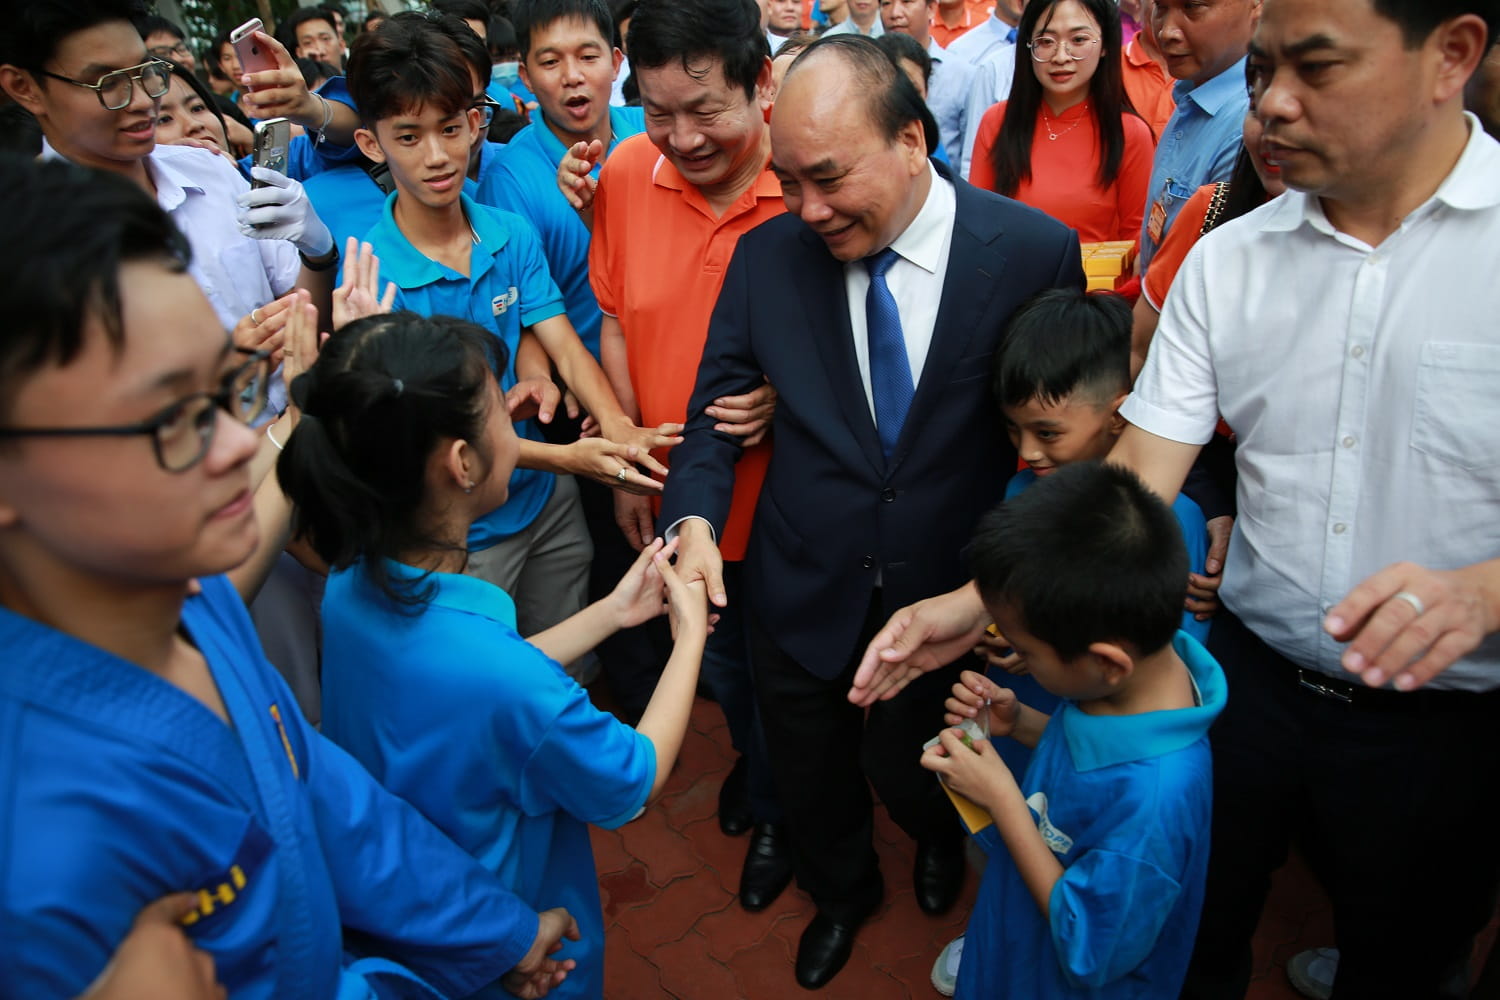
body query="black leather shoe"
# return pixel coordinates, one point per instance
(938, 876)
(734, 802)
(767, 869)
(823, 950)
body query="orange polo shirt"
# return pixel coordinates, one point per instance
(657, 262)
(944, 35)
(1064, 180)
(1148, 85)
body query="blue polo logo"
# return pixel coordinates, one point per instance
(1056, 840)
(500, 303)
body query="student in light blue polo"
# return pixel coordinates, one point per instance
(405, 441)
(349, 197)
(1099, 852)
(568, 60)
(448, 255)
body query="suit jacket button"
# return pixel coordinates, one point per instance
(869, 562)
(888, 495)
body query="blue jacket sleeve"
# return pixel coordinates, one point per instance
(412, 892)
(1107, 911)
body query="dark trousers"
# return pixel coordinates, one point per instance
(822, 749)
(1391, 798)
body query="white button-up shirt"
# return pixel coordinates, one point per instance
(1363, 384)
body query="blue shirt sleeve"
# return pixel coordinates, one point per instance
(540, 297)
(1107, 911)
(419, 897)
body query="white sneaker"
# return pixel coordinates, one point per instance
(945, 969)
(1311, 972)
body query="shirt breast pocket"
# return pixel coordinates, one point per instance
(1454, 419)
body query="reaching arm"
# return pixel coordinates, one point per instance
(1161, 463)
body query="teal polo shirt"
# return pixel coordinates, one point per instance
(507, 289)
(525, 182)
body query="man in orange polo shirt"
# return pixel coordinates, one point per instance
(1147, 81)
(954, 17)
(668, 211)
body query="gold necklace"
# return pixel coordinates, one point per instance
(1054, 136)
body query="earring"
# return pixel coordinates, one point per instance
(469, 488)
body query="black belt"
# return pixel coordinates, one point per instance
(1316, 684)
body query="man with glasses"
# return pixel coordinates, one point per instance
(165, 40)
(1204, 44)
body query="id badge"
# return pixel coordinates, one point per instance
(1157, 222)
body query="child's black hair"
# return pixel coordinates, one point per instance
(408, 62)
(383, 393)
(1088, 554)
(82, 226)
(1062, 342)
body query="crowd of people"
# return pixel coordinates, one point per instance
(583, 353)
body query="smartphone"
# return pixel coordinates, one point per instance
(272, 137)
(254, 58)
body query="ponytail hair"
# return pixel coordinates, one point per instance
(384, 392)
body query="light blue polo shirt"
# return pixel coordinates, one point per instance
(349, 202)
(525, 182)
(508, 288)
(1198, 146)
(453, 711)
(1123, 802)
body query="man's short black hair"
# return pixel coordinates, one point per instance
(81, 226)
(1418, 19)
(533, 15)
(892, 99)
(475, 51)
(899, 45)
(501, 39)
(410, 61)
(1062, 342)
(286, 32)
(33, 30)
(725, 31)
(152, 23)
(1088, 554)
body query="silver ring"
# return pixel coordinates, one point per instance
(1413, 600)
(255, 316)
(621, 474)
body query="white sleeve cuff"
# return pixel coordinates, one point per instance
(672, 529)
(1165, 423)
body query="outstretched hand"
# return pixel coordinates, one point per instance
(918, 639)
(574, 176)
(359, 295)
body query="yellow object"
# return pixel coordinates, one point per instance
(974, 818)
(1105, 263)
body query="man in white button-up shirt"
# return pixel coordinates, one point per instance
(1347, 332)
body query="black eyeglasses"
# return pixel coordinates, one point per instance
(183, 432)
(486, 106)
(173, 51)
(114, 90)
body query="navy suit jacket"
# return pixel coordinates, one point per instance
(833, 512)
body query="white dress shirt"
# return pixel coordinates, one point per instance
(915, 281)
(989, 85)
(1363, 385)
(948, 96)
(848, 27)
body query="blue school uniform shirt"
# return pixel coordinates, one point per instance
(525, 182)
(349, 201)
(1199, 145)
(508, 287)
(119, 788)
(1124, 803)
(452, 710)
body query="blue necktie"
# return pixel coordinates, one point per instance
(1012, 35)
(890, 369)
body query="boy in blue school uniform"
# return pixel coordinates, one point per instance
(1099, 852)
(568, 60)
(449, 255)
(146, 746)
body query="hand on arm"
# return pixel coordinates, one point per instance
(698, 558)
(1407, 624)
(598, 459)
(584, 376)
(747, 416)
(538, 972)
(918, 639)
(156, 961)
(1203, 588)
(636, 598)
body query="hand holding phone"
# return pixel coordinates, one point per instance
(253, 54)
(272, 137)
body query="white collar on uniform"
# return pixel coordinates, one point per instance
(924, 241)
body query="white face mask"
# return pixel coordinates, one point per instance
(506, 73)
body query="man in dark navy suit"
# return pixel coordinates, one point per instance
(874, 307)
